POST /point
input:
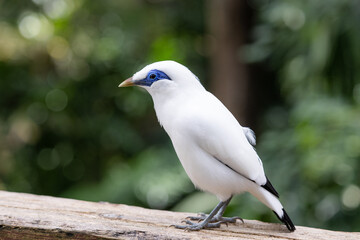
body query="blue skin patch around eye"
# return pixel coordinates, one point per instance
(153, 76)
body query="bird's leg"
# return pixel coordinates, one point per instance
(219, 215)
(205, 223)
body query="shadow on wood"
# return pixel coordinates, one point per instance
(26, 216)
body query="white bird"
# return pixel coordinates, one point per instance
(216, 152)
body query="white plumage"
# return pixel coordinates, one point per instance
(216, 152)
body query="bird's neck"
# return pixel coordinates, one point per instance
(165, 106)
(169, 107)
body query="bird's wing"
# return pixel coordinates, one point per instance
(216, 131)
(250, 135)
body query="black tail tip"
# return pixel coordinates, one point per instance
(287, 221)
(268, 186)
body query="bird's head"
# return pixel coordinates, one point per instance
(162, 77)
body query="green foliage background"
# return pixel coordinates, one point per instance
(67, 130)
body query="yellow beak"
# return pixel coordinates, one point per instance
(128, 82)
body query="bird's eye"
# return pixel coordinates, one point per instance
(152, 76)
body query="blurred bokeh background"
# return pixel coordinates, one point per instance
(288, 69)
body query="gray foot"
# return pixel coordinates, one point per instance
(197, 226)
(216, 218)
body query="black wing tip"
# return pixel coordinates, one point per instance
(268, 186)
(287, 221)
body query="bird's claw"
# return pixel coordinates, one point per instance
(197, 226)
(215, 222)
(239, 218)
(192, 218)
(202, 216)
(230, 219)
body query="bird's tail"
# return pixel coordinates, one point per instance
(273, 203)
(286, 220)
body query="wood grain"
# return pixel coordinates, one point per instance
(27, 216)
